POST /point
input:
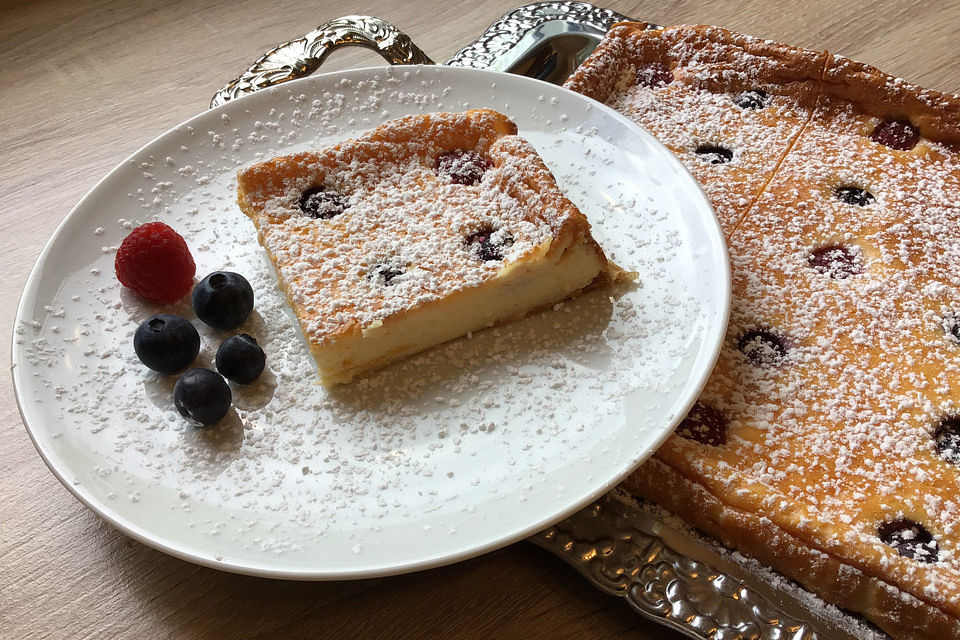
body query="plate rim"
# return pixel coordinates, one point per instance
(171, 547)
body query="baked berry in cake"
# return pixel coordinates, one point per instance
(705, 424)
(839, 383)
(416, 233)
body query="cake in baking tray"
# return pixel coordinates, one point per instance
(418, 232)
(827, 441)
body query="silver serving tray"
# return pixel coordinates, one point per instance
(624, 546)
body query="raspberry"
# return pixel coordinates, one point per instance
(896, 134)
(463, 167)
(837, 261)
(155, 263)
(654, 75)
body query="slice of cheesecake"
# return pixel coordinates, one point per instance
(424, 229)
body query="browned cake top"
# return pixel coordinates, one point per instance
(834, 410)
(727, 105)
(413, 211)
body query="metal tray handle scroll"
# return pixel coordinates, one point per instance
(664, 574)
(578, 26)
(301, 57)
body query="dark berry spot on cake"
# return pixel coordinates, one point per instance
(854, 195)
(753, 99)
(836, 261)
(762, 346)
(319, 203)
(947, 439)
(705, 424)
(463, 167)
(896, 134)
(951, 326)
(910, 539)
(488, 244)
(385, 273)
(654, 75)
(714, 154)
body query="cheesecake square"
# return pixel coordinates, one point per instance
(418, 232)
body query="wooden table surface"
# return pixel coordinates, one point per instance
(82, 85)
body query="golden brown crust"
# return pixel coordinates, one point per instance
(898, 613)
(537, 179)
(718, 50)
(724, 60)
(936, 114)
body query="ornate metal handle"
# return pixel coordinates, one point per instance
(301, 57)
(504, 34)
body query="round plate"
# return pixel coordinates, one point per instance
(457, 451)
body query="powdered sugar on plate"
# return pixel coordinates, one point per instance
(460, 449)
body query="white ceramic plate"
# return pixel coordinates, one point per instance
(458, 451)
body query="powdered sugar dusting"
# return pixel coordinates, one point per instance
(403, 217)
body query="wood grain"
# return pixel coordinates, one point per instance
(82, 85)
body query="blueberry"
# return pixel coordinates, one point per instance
(202, 397)
(855, 196)
(240, 359)
(223, 300)
(952, 326)
(762, 346)
(166, 343)
(714, 153)
(385, 273)
(319, 203)
(911, 539)
(484, 246)
(705, 424)
(463, 167)
(947, 439)
(753, 99)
